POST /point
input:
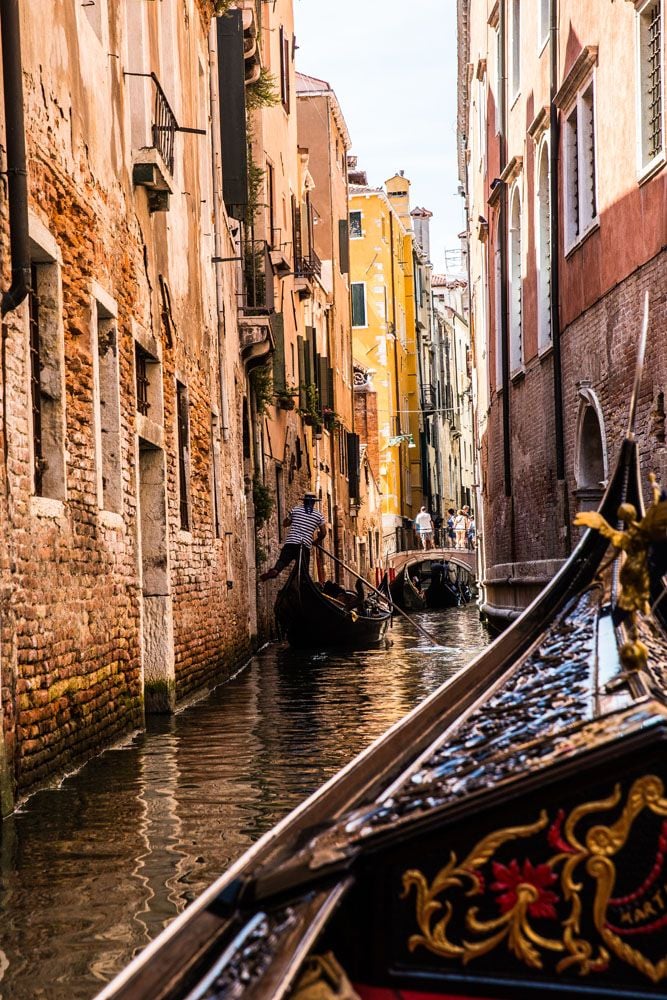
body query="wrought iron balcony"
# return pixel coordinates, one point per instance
(308, 267)
(256, 291)
(155, 172)
(429, 396)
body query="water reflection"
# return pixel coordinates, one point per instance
(92, 871)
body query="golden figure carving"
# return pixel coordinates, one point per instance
(633, 543)
(526, 892)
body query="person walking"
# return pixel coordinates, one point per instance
(451, 535)
(424, 526)
(471, 533)
(460, 525)
(306, 525)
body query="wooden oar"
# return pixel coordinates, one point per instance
(370, 586)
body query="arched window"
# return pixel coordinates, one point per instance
(515, 281)
(543, 245)
(591, 456)
(498, 307)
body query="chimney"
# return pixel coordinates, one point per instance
(422, 225)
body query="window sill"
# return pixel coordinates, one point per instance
(546, 351)
(515, 99)
(47, 507)
(184, 535)
(110, 519)
(651, 169)
(593, 228)
(518, 375)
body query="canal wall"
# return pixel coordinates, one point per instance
(124, 568)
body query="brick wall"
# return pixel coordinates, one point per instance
(71, 654)
(598, 352)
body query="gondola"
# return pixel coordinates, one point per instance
(443, 591)
(313, 616)
(404, 593)
(506, 840)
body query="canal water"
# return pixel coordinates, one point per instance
(91, 871)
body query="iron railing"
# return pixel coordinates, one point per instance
(308, 267)
(164, 125)
(429, 396)
(256, 291)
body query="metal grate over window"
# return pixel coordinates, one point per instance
(35, 381)
(183, 422)
(654, 80)
(143, 382)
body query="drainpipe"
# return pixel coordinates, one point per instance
(554, 279)
(217, 226)
(17, 171)
(502, 234)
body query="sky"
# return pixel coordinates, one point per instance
(392, 65)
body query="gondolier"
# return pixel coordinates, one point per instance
(304, 523)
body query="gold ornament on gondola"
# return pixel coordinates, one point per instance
(569, 908)
(633, 545)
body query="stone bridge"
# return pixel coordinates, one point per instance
(466, 560)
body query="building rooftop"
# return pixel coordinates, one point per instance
(312, 86)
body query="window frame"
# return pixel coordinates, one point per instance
(47, 384)
(516, 354)
(544, 326)
(356, 211)
(515, 50)
(574, 240)
(364, 325)
(646, 168)
(543, 26)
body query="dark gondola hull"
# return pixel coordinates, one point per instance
(311, 620)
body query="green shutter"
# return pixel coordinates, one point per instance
(323, 384)
(353, 455)
(301, 349)
(278, 327)
(344, 246)
(358, 304)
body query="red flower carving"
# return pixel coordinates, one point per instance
(508, 878)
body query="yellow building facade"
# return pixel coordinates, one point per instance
(384, 342)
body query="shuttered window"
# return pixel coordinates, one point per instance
(358, 289)
(580, 168)
(344, 246)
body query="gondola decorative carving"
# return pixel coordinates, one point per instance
(571, 887)
(634, 544)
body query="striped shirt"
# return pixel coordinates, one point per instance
(303, 526)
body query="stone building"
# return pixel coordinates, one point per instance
(453, 453)
(125, 505)
(385, 342)
(325, 289)
(563, 170)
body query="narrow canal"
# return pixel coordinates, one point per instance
(92, 871)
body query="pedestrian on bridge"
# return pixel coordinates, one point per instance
(424, 526)
(471, 533)
(460, 528)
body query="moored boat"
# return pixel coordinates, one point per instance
(404, 593)
(314, 616)
(506, 839)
